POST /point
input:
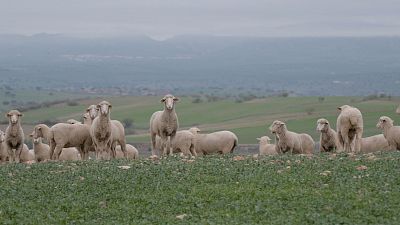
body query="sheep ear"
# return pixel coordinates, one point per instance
(8, 115)
(110, 106)
(281, 123)
(268, 138)
(21, 115)
(39, 128)
(163, 100)
(339, 108)
(30, 135)
(176, 99)
(258, 139)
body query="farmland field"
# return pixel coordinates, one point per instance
(249, 119)
(323, 189)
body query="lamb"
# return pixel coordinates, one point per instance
(265, 147)
(3, 148)
(164, 124)
(69, 154)
(42, 151)
(132, 152)
(63, 135)
(14, 136)
(349, 129)
(106, 133)
(183, 142)
(390, 132)
(374, 143)
(221, 142)
(26, 154)
(291, 141)
(328, 138)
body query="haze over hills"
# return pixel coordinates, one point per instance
(211, 64)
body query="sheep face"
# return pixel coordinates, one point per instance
(264, 140)
(2, 136)
(322, 125)
(35, 140)
(383, 122)
(194, 130)
(169, 101)
(92, 111)
(13, 116)
(104, 108)
(277, 127)
(37, 132)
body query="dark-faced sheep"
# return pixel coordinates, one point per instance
(14, 136)
(390, 132)
(164, 124)
(349, 128)
(328, 138)
(288, 141)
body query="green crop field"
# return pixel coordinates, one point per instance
(322, 189)
(248, 120)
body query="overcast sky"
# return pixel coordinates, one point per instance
(165, 18)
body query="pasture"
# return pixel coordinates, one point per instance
(322, 189)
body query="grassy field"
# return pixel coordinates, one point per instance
(323, 189)
(247, 119)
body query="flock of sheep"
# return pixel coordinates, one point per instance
(74, 140)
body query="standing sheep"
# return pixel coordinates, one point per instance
(328, 138)
(265, 148)
(63, 135)
(288, 141)
(221, 142)
(14, 136)
(184, 142)
(390, 132)
(164, 124)
(106, 133)
(349, 128)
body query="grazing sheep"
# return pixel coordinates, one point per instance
(349, 128)
(183, 142)
(374, 143)
(63, 135)
(390, 132)
(131, 152)
(3, 148)
(221, 142)
(106, 133)
(265, 147)
(289, 141)
(42, 151)
(164, 124)
(26, 154)
(69, 154)
(14, 136)
(328, 138)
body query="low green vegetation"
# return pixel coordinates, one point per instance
(322, 189)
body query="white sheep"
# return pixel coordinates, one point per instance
(27, 155)
(3, 147)
(164, 124)
(349, 128)
(92, 112)
(131, 152)
(221, 142)
(288, 141)
(14, 136)
(374, 143)
(63, 135)
(42, 151)
(106, 133)
(69, 154)
(390, 132)
(328, 138)
(265, 148)
(184, 142)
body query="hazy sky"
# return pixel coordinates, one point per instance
(164, 18)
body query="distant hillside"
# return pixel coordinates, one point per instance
(191, 64)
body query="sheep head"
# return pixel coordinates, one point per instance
(92, 111)
(343, 107)
(86, 117)
(194, 130)
(2, 136)
(264, 140)
(277, 127)
(104, 108)
(34, 140)
(169, 101)
(384, 121)
(322, 125)
(14, 116)
(37, 131)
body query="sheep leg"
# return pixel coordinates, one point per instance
(57, 152)
(164, 145)
(113, 151)
(52, 147)
(170, 139)
(358, 140)
(10, 153)
(18, 152)
(193, 150)
(123, 148)
(153, 144)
